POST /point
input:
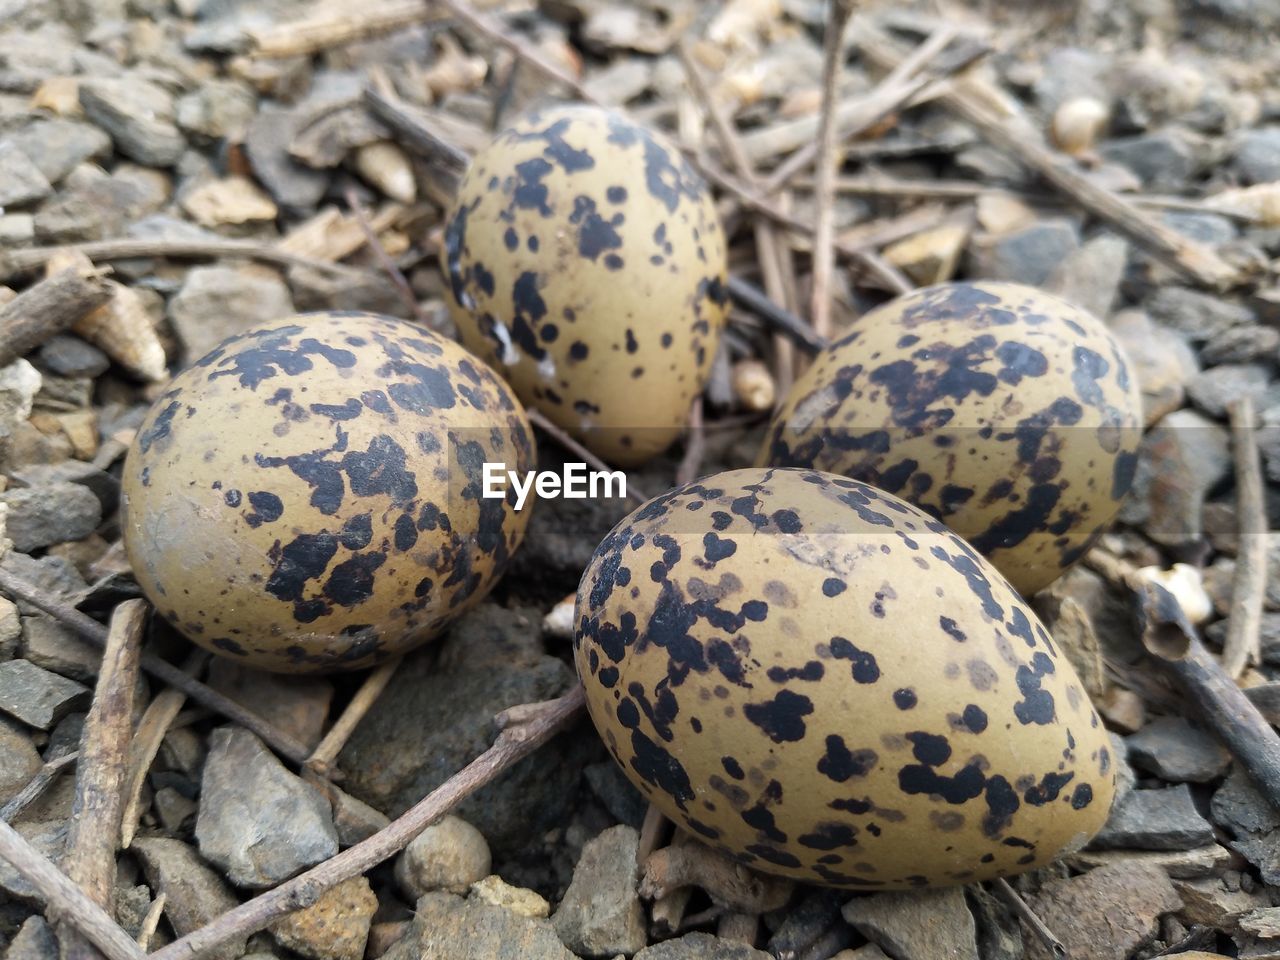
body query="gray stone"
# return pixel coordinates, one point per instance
(1239, 806)
(1090, 275)
(54, 513)
(292, 185)
(57, 146)
(98, 208)
(1200, 316)
(37, 697)
(1213, 390)
(17, 230)
(50, 838)
(138, 115)
(999, 934)
(449, 855)
(1155, 820)
(1211, 229)
(436, 716)
(1183, 456)
(194, 894)
(297, 705)
(217, 109)
(69, 356)
(1256, 155)
(701, 946)
(445, 925)
(49, 644)
(1163, 160)
(1104, 914)
(1163, 364)
(20, 180)
(1029, 255)
(1242, 344)
(52, 574)
(10, 628)
(324, 290)
(601, 915)
(354, 819)
(172, 809)
(19, 760)
(1069, 72)
(219, 302)
(620, 797)
(259, 823)
(103, 485)
(1174, 750)
(1263, 851)
(921, 923)
(35, 941)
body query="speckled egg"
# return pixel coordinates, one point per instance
(1005, 412)
(586, 262)
(821, 680)
(308, 496)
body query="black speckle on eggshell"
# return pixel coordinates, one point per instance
(585, 260)
(1007, 413)
(306, 497)
(945, 741)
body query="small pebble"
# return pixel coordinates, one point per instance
(335, 927)
(1164, 819)
(49, 514)
(1176, 751)
(601, 914)
(36, 696)
(449, 855)
(527, 903)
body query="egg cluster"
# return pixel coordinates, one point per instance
(816, 665)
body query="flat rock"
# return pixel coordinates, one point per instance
(1155, 820)
(292, 185)
(1263, 851)
(933, 924)
(701, 946)
(1239, 806)
(1256, 154)
(1174, 750)
(1198, 315)
(620, 797)
(54, 513)
(436, 716)
(259, 823)
(335, 927)
(1210, 861)
(34, 941)
(19, 760)
(296, 705)
(219, 302)
(194, 894)
(447, 927)
(1090, 275)
(138, 115)
(496, 891)
(1164, 364)
(49, 644)
(1104, 914)
(69, 356)
(601, 914)
(10, 629)
(57, 145)
(21, 181)
(1028, 255)
(218, 109)
(105, 486)
(1182, 457)
(1213, 903)
(47, 836)
(36, 696)
(449, 855)
(1163, 160)
(1241, 345)
(96, 209)
(1213, 390)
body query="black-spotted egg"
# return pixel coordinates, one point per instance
(824, 682)
(1007, 413)
(309, 495)
(585, 260)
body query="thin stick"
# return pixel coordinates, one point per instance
(304, 37)
(14, 262)
(1014, 901)
(539, 420)
(1243, 644)
(824, 227)
(748, 296)
(695, 445)
(48, 308)
(384, 259)
(1025, 144)
(323, 755)
(108, 727)
(155, 723)
(64, 901)
(537, 723)
(36, 786)
(653, 832)
(283, 743)
(445, 160)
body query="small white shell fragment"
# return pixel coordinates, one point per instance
(1077, 124)
(1185, 583)
(385, 166)
(558, 623)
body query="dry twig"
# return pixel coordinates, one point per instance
(1243, 644)
(48, 308)
(301, 38)
(283, 743)
(728, 883)
(36, 786)
(695, 445)
(151, 921)
(784, 321)
(1028, 916)
(540, 420)
(108, 728)
(384, 259)
(824, 204)
(64, 901)
(523, 730)
(322, 757)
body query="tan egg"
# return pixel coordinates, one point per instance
(309, 495)
(824, 682)
(1005, 412)
(585, 260)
